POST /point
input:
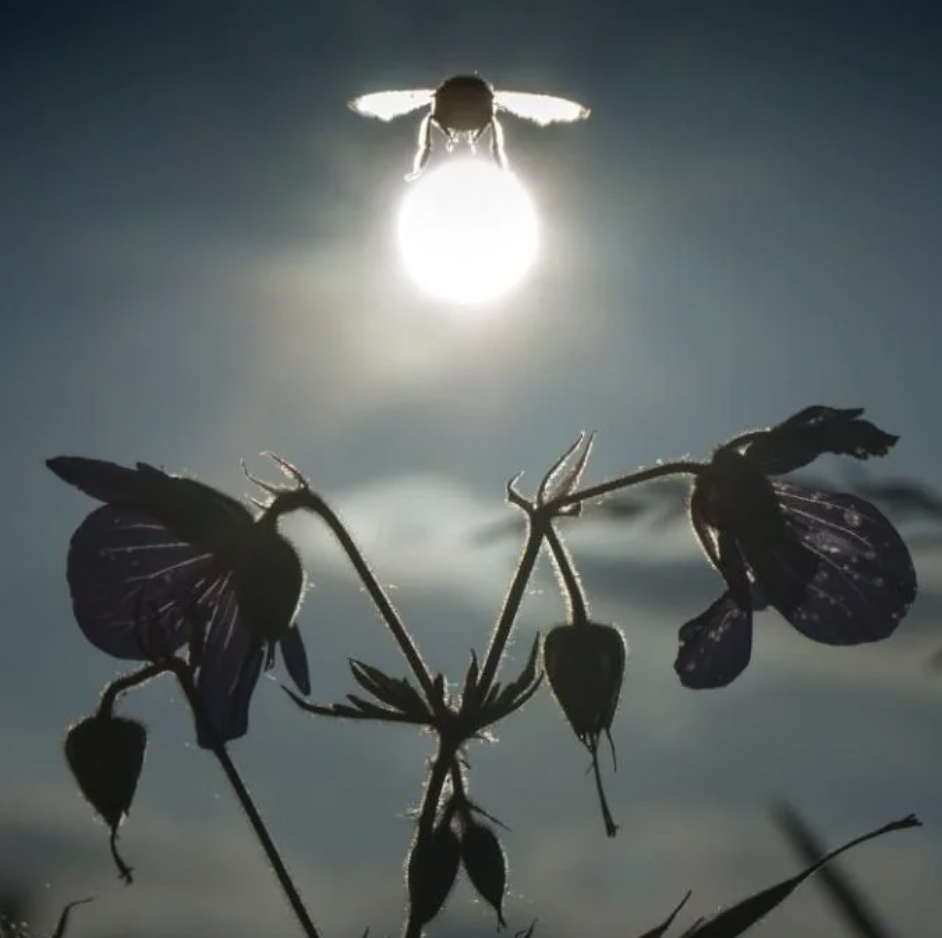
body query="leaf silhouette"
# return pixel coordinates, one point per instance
(659, 930)
(846, 898)
(739, 918)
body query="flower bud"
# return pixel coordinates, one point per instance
(106, 755)
(585, 664)
(432, 871)
(486, 865)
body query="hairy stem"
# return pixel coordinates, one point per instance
(578, 605)
(248, 805)
(377, 594)
(680, 467)
(538, 523)
(114, 690)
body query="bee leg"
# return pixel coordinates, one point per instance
(425, 148)
(474, 137)
(497, 143)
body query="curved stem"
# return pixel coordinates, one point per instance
(680, 467)
(248, 806)
(577, 601)
(117, 687)
(409, 650)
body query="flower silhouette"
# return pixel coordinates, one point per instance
(169, 562)
(831, 564)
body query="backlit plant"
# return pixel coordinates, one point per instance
(189, 582)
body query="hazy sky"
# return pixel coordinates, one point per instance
(197, 263)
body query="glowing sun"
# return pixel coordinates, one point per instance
(468, 231)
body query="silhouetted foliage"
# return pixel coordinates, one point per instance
(183, 578)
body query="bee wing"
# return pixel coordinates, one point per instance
(542, 109)
(387, 105)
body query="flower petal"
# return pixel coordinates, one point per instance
(716, 646)
(865, 581)
(810, 433)
(295, 658)
(230, 663)
(106, 481)
(124, 568)
(193, 511)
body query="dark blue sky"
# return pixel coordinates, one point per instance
(197, 263)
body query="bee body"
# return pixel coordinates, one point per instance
(464, 108)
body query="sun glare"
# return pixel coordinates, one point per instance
(467, 231)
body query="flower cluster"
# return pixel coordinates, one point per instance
(830, 564)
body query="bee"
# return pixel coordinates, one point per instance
(463, 108)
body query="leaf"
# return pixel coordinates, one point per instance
(528, 674)
(562, 477)
(486, 865)
(347, 712)
(397, 693)
(811, 433)
(371, 709)
(492, 695)
(737, 919)
(508, 701)
(438, 686)
(470, 681)
(431, 872)
(849, 901)
(64, 917)
(512, 696)
(659, 930)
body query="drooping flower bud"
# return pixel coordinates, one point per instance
(106, 755)
(432, 871)
(486, 865)
(585, 666)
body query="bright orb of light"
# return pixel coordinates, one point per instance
(467, 231)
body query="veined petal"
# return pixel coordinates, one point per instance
(865, 581)
(230, 663)
(124, 570)
(295, 658)
(715, 647)
(733, 567)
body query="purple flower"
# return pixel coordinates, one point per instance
(168, 562)
(831, 564)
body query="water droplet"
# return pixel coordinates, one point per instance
(852, 518)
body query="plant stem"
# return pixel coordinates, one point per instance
(111, 693)
(680, 467)
(576, 599)
(444, 756)
(537, 525)
(408, 647)
(248, 806)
